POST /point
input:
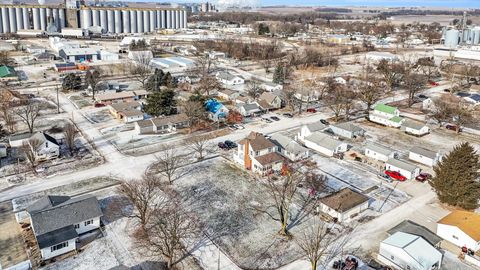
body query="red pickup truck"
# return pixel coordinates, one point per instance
(395, 175)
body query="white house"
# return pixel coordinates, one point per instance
(408, 251)
(347, 130)
(414, 128)
(165, 124)
(379, 152)
(229, 79)
(374, 57)
(344, 204)
(424, 156)
(289, 148)
(325, 144)
(309, 129)
(259, 154)
(386, 115)
(462, 228)
(270, 87)
(405, 168)
(57, 222)
(45, 146)
(249, 109)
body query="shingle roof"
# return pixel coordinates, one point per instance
(408, 226)
(250, 107)
(257, 141)
(324, 140)
(385, 108)
(349, 127)
(226, 76)
(424, 152)
(113, 96)
(268, 97)
(171, 119)
(317, 126)
(344, 200)
(53, 214)
(288, 144)
(56, 237)
(269, 158)
(145, 123)
(401, 164)
(468, 222)
(375, 147)
(413, 124)
(123, 106)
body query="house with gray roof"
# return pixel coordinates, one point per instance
(347, 130)
(424, 156)
(325, 144)
(379, 152)
(414, 128)
(57, 222)
(249, 109)
(289, 148)
(405, 168)
(45, 146)
(309, 129)
(229, 79)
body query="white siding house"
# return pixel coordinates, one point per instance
(461, 228)
(405, 168)
(424, 156)
(415, 128)
(379, 152)
(229, 79)
(386, 115)
(325, 144)
(309, 129)
(289, 148)
(347, 130)
(344, 204)
(407, 251)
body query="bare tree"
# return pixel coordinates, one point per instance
(169, 161)
(145, 195)
(194, 110)
(29, 150)
(254, 90)
(92, 79)
(281, 193)
(29, 114)
(319, 244)
(391, 71)
(167, 231)
(370, 90)
(208, 84)
(462, 113)
(70, 133)
(441, 110)
(6, 113)
(413, 82)
(203, 66)
(288, 94)
(141, 70)
(200, 144)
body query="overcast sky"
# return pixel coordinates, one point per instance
(394, 3)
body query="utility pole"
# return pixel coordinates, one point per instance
(58, 102)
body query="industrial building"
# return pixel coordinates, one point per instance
(75, 14)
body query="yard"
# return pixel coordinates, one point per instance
(11, 241)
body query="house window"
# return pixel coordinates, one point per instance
(392, 258)
(59, 246)
(408, 267)
(88, 222)
(76, 226)
(257, 153)
(46, 144)
(455, 237)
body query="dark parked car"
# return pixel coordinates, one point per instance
(452, 127)
(267, 120)
(311, 110)
(446, 90)
(223, 146)
(98, 105)
(423, 177)
(385, 177)
(325, 122)
(275, 118)
(422, 96)
(289, 115)
(230, 144)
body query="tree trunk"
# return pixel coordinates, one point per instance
(169, 263)
(314, 265)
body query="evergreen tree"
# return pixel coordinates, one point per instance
(161, 103)
(155, 80)
(71, 82)
(278, 76)
(169, 81)
(457, 177)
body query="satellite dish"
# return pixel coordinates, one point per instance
(41, 2)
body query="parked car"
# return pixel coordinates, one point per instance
(267, 120)
(325, 122)
(289, 115)
(395, 175)
(385, 177)
(423, 177)
(432, 83)
(452, 127)
(446, 90)
(238, 126)
(311, 110)
(232, 127)
(222, 145)
(422, 96)
(99, 105)
(230, 144)
(275, 118)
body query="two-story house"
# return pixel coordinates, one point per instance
(386, 115)
(259, 154)
(57, 221)
(43, 145)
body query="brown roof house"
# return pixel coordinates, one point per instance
(269, 101)
(259, 154)
(343, 205)
(128, 112)
(461, 228)
(165, 124)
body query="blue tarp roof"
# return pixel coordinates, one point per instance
(213, 106)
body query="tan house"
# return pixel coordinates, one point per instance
(117, 97)
(270, 100)
(228, 94)
(128, 112)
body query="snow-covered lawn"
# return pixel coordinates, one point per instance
(223, 197)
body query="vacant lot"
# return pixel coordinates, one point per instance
(223, 197)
